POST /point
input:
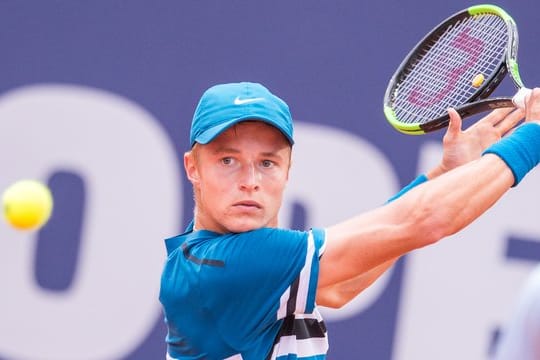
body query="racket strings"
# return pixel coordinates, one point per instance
(441, 59)
(438, 63)
(441, 74)
(444, 60)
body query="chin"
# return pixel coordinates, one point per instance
(243, 228)
(247, 226)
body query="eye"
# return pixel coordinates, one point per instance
(227, 161)
(267, 163)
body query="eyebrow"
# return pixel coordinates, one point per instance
(230, 150)
(223, 149)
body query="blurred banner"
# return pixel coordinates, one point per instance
(96, 100)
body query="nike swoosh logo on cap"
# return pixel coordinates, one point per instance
(239, 101)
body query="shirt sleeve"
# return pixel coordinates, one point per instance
(419, 180)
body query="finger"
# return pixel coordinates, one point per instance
(454, 123)
(510, 121)
(496, 116)
(533, 105)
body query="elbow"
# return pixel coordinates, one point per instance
(331, 298)
(333, 304)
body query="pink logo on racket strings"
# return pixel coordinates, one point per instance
(464, 42)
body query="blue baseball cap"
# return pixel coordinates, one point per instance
(224, 105)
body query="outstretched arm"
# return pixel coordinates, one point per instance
(460, 147)
(421, 217)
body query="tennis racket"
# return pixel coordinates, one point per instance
(458, 64)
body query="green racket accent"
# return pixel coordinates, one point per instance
(514, 71)
(488, 8)
(407, 128)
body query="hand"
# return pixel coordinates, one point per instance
(532, 105)
(461, 147)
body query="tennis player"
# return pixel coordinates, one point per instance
(237, 286)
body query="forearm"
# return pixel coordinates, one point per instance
(420, 217)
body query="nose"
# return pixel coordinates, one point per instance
(250, 179)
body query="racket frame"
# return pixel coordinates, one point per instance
(477, 103)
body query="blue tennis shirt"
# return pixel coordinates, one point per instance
(247, 296)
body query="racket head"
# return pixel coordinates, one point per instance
(440, 71)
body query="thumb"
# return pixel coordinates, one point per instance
(454, 123)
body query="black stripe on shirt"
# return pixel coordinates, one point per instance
(293, 294)
(196, 260)
(300, 328)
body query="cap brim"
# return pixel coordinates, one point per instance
(210, 134)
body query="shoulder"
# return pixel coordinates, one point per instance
(279, 243)
(278, 235)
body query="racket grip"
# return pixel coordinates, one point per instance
(519, 98)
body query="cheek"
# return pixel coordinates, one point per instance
(215, 187)
(282, 177)
(277, 186)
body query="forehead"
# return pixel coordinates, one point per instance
(253, 130)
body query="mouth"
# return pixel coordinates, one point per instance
(247, 204)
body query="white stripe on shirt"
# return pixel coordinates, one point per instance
(305, 277)
(282, 311)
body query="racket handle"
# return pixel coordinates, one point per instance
(519, 98)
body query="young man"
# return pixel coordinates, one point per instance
(236, 286)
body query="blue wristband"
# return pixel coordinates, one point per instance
(520, 150)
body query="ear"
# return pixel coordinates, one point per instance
(290, 164)
(190, 165)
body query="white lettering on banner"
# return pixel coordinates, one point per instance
(457, 293)
(336, 175)
(134, 200)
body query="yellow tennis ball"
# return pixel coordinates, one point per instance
(478, 80)
(27, 204)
